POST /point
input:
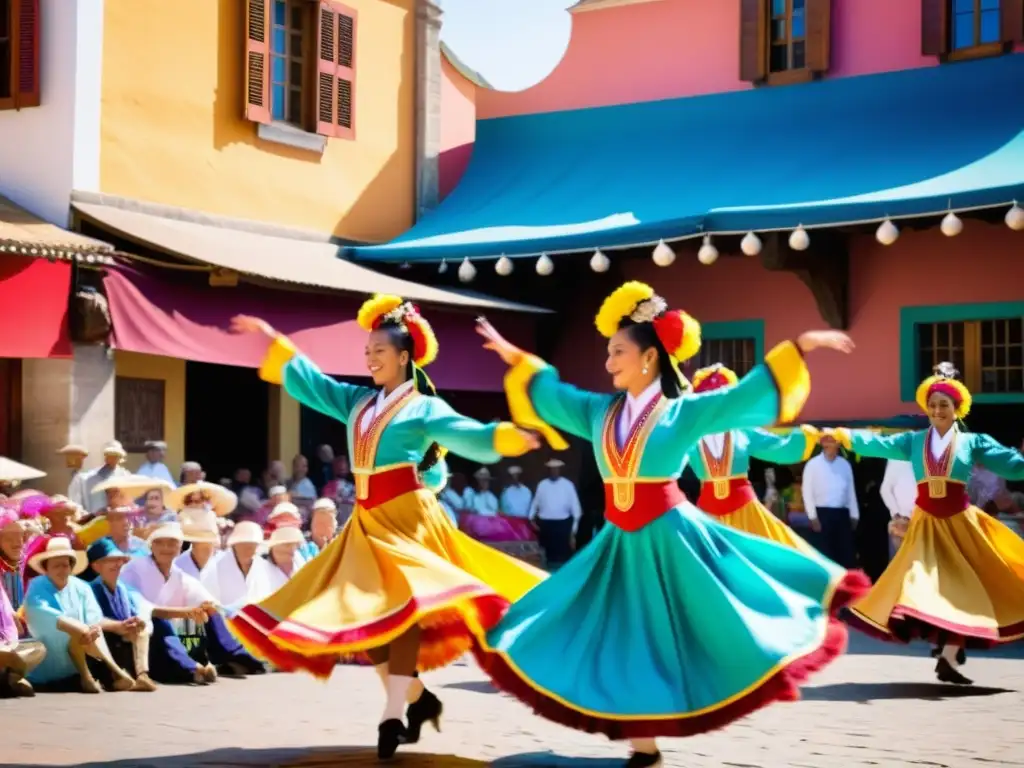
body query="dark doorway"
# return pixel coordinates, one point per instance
(226, 423)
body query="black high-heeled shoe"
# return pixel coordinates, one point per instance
(390, 734)
(644, 760)
(426, 709)
(947, 673)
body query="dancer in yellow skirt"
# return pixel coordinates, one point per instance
(722, 461)
(400, 585)
(958, 578)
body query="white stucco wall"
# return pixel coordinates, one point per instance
(47, 151)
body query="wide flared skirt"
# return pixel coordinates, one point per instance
(962, 576)
(754, 518)
(393, 566)
(679, 628)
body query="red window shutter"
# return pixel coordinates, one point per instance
(934, 27)
(753, 40)
(25, 29)
(1012, 21)
(326, 69)
(819, 34)
(345, 116)
(335, 84)
(257, 61)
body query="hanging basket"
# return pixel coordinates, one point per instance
(90, 317)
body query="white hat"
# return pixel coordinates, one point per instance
(482, 474)
(286, 535)
(136, 483)
(277, 490)
(156, 445)
(167, 531)
(14, 472)
(246, 532)
(114, 448)
(199, 524)
(554, 463)
(514, 470)
(72, 449)
(327, 505)
(284, 508)
(217, 496)
(59, 546)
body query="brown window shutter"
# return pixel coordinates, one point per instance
(934, 27)
(25, 29)
(257, 61)
(326, 69)
(345, 114)
(1012, 21)
(753, 40)
(819, 34)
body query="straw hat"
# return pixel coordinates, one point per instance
(482, 474)
(114, 448)
(217, 496)
(325, 504)
(199, 525)
(284, 508)
(133, 484)
(73, 449)
(13, 472)
(246, 532)
(554, 463)
(286, 535)
(59, 546)
(167, 531)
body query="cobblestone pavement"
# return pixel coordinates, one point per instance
(877, 706)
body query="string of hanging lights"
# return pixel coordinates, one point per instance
(663, 255)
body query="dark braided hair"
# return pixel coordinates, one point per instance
(401, 340)
(644, 336)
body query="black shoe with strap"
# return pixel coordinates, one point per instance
(947, 673)
(426, 709)
(644, 760)
(390, 734)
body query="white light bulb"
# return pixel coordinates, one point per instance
(707, 254)
(951, 225)
(466, 271)
(887, 233)
(545, 266)
(503, 266)
(1015, 218)
(799, 240)
(663, 255)
(442, 267)
(750, 244)
(599, 262)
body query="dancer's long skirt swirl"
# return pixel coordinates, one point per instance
(394, 565)
(753, 517)
(679, 628)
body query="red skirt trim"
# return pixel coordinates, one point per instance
(907, 624)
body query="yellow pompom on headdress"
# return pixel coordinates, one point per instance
(676, 330)
(713, 377)
(944, 380)
(384, 309)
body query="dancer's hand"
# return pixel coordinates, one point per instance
(530, 438)
(250, 324)
(495, 342)
(837, 340)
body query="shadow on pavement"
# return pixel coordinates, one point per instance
(549, 760)
(473, 686)
(862, 692)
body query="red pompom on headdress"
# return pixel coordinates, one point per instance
(393, 310)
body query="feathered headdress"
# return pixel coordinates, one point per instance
(677, 331)
(713, 377)
(383, 309)
(944, 379)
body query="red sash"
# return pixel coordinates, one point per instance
(389, 485)
(740, 492)
(952, 503)
(650, 501)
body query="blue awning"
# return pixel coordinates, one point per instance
(826, 153)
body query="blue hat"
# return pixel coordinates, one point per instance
(103, 548)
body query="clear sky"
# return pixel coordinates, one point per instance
(514, 44)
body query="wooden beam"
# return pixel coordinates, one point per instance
(824, 268)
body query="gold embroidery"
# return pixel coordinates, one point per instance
(937, 471)
(625, 464)
(718, 469)
(364, 453)
(937, 487)
(721, 487)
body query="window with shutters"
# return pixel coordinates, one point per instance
(19, 54)
(138, 412)
(300, 65)
(738, 354)
(957, 30)
(784, 41)
(988, 353)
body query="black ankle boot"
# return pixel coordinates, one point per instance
(390, 734)
(947, 673)
(426, 709)
(644, 760)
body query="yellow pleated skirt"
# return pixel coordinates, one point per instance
(754, 518)
(393, 566)
(960, 576)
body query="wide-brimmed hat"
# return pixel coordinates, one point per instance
(73, 449)
(482, 474)
(166, 531)
(105, 548)
(58, 546)
(14, 472)
(554, 464)
(114, 448)
(284, 508)
(327, 505)
(276, 490)
(222, 500)
(199, 525)
(514, 470)
(132, 485)
(285, 535)
(63, 505)
(246, 532)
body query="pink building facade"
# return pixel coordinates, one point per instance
(925, 298)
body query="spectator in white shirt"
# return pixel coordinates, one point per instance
(481, 500)
(516, 499)
(830, 501)
(557, 510)
(898, 492)
(154, 465)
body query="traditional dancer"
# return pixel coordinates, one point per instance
(400, 584)
(667, 623)
(722, 462)
(958, 578)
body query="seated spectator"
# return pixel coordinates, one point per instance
(121, 490)
(163, 583)
(284, 544)
(199, 527)
(17, 657)
(287, 515)
(239, 577)
(140, 635)
(60, 513)
(191, 473)
(301, 488)
(154, 513)
(341, 490)
(12, 550)
(277, 494)
(62, 613)
(323, 524)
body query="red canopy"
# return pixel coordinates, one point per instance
(174, 315)
(34, 307)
